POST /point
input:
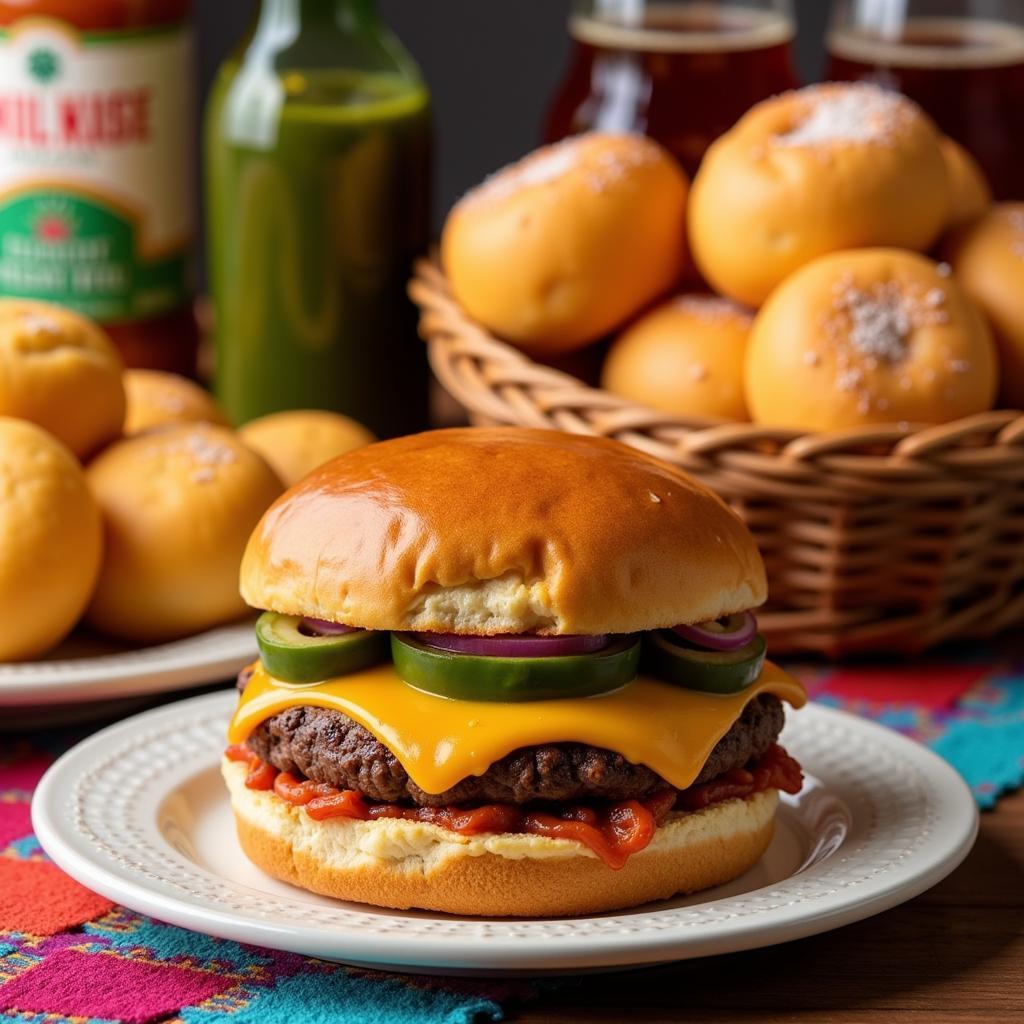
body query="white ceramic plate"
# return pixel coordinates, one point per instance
(87, 669)
(138, 813)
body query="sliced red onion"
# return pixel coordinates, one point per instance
(322, 627)
(728, 634)
(514, 645)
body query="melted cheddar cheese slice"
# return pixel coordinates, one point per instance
(439, 742)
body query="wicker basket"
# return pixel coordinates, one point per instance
(887, 538)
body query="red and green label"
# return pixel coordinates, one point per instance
(96, 197)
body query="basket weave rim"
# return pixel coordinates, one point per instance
(489, 376)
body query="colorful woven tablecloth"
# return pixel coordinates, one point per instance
(67, 954)
(968, 706)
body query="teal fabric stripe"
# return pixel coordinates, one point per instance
(343, 998)
(165, 942)
(989, 756)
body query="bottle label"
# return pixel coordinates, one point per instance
(96, 191)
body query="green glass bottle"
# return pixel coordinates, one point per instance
(318, 148)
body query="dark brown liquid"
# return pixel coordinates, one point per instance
(969, 76)
(169, 342)
(684, 77)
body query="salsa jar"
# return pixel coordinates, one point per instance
(97, 118)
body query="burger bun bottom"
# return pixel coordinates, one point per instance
(404, 864)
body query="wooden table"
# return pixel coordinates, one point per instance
(954, 954)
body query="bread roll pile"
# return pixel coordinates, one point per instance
(565, 245)
(126, 499)
(853, 269)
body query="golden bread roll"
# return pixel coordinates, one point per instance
(394, 863)
(295, 443)
(683, 357)
(156, 398)
(178, 506)
(413, 534)
(51, 540)
(868, 336)
(61, 371)
(563, 246)
(970, 195)
(987, 257)
(829, 167)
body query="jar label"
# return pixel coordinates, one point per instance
(96, 190)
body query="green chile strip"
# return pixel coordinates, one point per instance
(473, 677)
(710, 671)
(293, 657)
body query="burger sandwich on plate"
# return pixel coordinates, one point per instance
(506, 672)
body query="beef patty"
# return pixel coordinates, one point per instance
(327, 746)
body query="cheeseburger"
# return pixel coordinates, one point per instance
(506, 672)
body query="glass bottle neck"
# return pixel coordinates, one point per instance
(322, 35)
(340, 15)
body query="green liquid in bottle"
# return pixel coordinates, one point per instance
(318, 192)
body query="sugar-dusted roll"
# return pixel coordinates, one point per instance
(869, 336)
(684, 357)
(60, 370)
(178, 505)
(157, 398)
(969, 193)
(829, 167)
(50, 540)
(987, 257)
(563, 246)
(294, 443)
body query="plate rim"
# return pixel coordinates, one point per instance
(466, 953)
(205, 657)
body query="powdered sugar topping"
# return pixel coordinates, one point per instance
(36, 323)
(204, 451)
(548, 164)
(1015, 218)
(877, 321)
(600, 167)
(712, 308)
(870, 326)
(859, 113)
(168, 401)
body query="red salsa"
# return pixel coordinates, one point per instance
(614, 833)
(775, 769)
